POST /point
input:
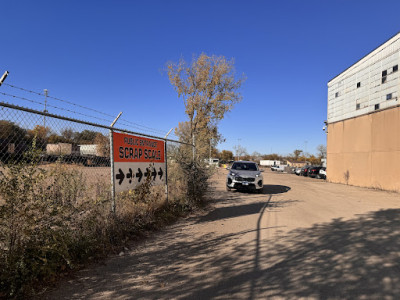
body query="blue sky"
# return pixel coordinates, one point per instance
(109, 55)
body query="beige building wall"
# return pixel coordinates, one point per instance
(365, 150)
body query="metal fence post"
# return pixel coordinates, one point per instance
(112, 164)
(166, 171)
(166, 164)
(4, 77)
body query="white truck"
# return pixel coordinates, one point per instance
(280, 168)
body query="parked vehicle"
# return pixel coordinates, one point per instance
(297, 171)
(322, 173)
(279, 168)
(274, 168)
(314, 171)
(244, 175)
(304, 170)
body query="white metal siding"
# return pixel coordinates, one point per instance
(367, 71)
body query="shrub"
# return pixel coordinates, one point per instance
(50, 222)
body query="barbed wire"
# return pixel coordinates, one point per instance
(74, 112)
(4, 105)
(50, 105)
(133, 124)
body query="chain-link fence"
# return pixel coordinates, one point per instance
(60, 145)
(57, 208)
(56, 143)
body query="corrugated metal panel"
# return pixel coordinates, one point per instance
(357, 90)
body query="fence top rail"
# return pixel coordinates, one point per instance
(29, 110)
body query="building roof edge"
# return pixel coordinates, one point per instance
(363, 57)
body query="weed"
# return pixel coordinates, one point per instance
(50, 222)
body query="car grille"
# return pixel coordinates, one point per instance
(244, 179)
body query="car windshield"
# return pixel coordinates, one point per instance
(244, 166)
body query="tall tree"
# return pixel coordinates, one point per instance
(103, 144)
(11, 132)
(240, 151)
(296, 154)
(321, 151)
(41, 134)
(68, 134)
(85, 137)
(272, 156)
(12, 138)
(226, 155)
(209, 89)
(256, 156)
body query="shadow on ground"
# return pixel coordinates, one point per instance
(343, 259)
(268, 189)
(234, 211)
(271, 189)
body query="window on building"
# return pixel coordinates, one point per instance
(336, 94)
(384, 74)
(389, 96)
(376, 106)
(395, 68)
(358, 84)
(357, 106)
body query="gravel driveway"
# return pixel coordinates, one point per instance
(301, 238)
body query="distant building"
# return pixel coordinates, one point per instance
(62, 149)
(269, 163)
(363, 132)
(297, 164)
(91, 149)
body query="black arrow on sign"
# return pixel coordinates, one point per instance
(129, 175)
(160, 173)
(139, 174)
(120, 176)
(147, 173)
(154, 174)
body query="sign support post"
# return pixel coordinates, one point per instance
(112, 164)
(166, 166)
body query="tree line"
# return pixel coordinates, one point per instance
(15, 139)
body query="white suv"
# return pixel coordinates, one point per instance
(244, 175)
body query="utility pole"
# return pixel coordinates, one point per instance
(238, 149)
(305, 151)
(45, 106)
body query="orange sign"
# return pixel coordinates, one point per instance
(130, 148)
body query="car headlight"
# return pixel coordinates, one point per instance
(258, 175)
(232, 174)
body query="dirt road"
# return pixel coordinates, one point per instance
(301, 238)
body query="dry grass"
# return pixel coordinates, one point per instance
(57, 217)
